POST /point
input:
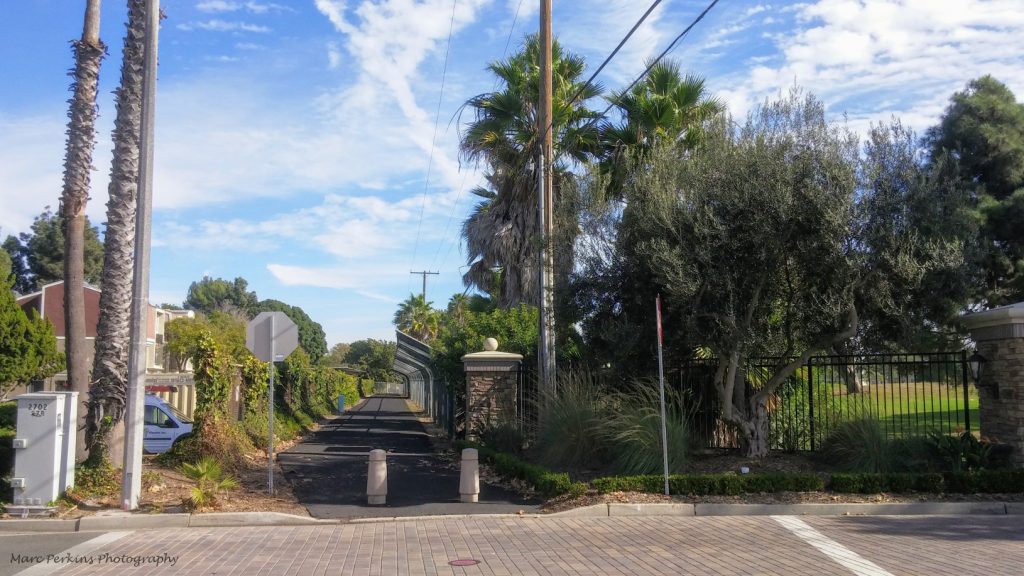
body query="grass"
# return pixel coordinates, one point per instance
(903, 408)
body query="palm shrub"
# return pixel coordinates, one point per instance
(633, 431)
(570, 434)
(211, 481)
(858, 446)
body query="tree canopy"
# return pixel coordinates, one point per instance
(374, 357)
(980, 142)
(216, 294)
(37, 256)
(28, 349)
(311, 334)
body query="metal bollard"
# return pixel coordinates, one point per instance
(469, 480)
(377, 478)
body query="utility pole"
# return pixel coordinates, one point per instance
(424, 274)
(546, 201)
(131, 476)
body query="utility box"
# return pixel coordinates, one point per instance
(69, 441)
(38, 449)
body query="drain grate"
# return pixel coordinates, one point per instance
(464, 562)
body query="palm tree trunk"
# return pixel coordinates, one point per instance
(89, 51)
(110, 369)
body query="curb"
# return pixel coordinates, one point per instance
(846, 509)
(123, 521)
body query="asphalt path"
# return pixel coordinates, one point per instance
(327, 471)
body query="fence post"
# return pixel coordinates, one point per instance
(810, 397)
(967, 391)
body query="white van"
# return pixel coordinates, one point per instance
(165, 425)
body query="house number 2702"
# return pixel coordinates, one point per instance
(37, 410)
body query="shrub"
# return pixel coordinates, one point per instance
(633, 431)
(858, 446)
(211, 481)
(548, 484)
(957, 453)
(8, 414)
(974, 482)
(6, 451)
(504, 436)
(571, 422)
(100, 481)
(712, 484)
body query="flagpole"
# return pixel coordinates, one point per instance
(661, 388)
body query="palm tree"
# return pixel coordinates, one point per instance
(109, 388)
(416, 318)
(664, 106)
(89, 52)
(502, 235)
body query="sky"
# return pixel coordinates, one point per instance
(311, 146)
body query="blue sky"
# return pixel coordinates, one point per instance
(294, 137)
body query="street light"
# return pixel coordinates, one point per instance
(976, 362)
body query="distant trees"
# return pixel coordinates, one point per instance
(375, 358)
(37, 256)
(311, 334)
(218, 295)
(416, 318)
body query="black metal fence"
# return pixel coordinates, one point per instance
(908, 394)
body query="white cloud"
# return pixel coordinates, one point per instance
(849, 52)
(333, 55)
(217, 25)
(220, 6)
(613, 20)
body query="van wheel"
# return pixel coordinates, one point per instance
(180, 438)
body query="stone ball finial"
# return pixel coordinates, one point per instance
(490, 345)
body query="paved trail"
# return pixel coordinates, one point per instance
(328, 469)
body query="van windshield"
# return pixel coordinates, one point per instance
(178, 415)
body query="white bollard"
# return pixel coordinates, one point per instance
(469, 481)
(377, 478)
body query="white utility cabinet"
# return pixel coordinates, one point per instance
(38, 446)
(69, 443)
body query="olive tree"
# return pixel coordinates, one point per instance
(762, 243)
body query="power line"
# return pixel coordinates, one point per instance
(652, 64)
(614, 52)
(433, 139)
(462, 187)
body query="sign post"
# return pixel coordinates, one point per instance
(661, 388)
(271, 337)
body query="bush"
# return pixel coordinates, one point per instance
(8, 414)
(712, 484)
(6, 452)
(211, 481)
(504, 436)
(571, 423)
(633, 431)
(975, 482)
(96, 482)
(548, 484)
(858, 446)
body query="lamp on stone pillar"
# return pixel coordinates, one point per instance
(976, 363)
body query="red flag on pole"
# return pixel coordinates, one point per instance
(658, 304)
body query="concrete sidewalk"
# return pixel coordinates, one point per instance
(502, 546)
(328, 469)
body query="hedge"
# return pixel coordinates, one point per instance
(712, 484)
(548, 484)
(976, 482)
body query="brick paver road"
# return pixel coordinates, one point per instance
(870, 546)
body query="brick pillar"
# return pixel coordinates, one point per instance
(491, 382)
(999, 334)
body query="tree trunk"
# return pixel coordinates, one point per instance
(754, 441)
(110, 369)
(854, 384)
(81, 141)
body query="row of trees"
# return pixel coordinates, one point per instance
(779, 236)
